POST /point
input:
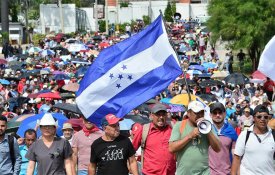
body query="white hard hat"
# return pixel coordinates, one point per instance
(48, 119)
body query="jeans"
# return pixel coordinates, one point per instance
(82, 172)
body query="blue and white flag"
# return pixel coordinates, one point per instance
(129, 73)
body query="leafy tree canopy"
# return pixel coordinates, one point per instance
(246, 24)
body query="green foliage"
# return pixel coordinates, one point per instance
(246, 24)
(170, 11)
(37, 37)
(102, 25)
(124, 4)
(146, 19)
(4, 37)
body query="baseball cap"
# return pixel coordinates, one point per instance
(260, 108)
(216, 106)
(158, 107)
(67, 126)
(195, 106)
(110, 119)
(238, 106)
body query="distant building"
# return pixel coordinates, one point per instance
(16, 32)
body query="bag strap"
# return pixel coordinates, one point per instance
(145, 132)
(11, 147)
(246, 137)
(183, 125)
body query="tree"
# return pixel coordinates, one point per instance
(246, 24)
(168, 13)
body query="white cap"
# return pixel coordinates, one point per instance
(35, 79)
(45, 86)
(48, 119)
(196, 106)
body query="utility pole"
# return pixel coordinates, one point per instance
(96, 16)
(150, 10)
(27, 21)
(106, 16)
(61, 15)
(5, 20)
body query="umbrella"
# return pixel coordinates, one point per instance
(236, 78)
(19, 100)
(194, 72)
(258, 75)
(47, 52)
(5, 82)
(209, 65)
(73, 87)
(209, 98)
(103, 45)
(81, 71)
(70, 40)
(56, 72)
(68, 107)
(67, 95)
(61, 77)
(76, 123)
(34, 49)
(176, 108)
(189, 82)
(205, 75)
(165, 100)
(22, 117)
(49, 95)
(220, 74)
(138, 118)
(183, 99)
(126, 124)
(196, 67)
(210, 82)
(97, 37)
(12, 126)
(3, 61)
(30, 73)
(56, 59)
(44, 72)
(77, 47)
(31, 122)
(191, 53)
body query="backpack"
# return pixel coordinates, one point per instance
(11, 147)
(145, 132)
(248, 134)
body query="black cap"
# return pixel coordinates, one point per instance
(238, 106)
(217, 105)
(260, 108)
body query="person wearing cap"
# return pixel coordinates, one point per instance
(52, 154)
(157, 160)
(68, 132)
(81, 144)
(235, 116)
(254, 150)
(191, 147)
(220, 163)
(111, 152)
(246, 120)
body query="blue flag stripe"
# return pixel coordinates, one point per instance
(113, 55)
(152, 83)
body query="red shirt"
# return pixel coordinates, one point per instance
(268, 86)
(157, 158)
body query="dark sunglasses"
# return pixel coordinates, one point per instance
(262, 117)
(217, 112)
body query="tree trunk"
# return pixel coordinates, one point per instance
(5, 19)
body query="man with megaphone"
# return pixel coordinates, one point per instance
(190, 140)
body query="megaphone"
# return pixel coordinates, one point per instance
(204, 126)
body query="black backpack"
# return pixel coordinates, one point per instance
(11, 146)
(248, 133)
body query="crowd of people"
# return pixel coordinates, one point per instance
(241, 139)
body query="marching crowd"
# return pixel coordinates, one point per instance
(240, 139)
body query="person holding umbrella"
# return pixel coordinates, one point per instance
(52, 154)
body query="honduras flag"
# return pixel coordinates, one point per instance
(129, 73)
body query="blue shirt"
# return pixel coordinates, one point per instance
(5, 159)
(24, 166)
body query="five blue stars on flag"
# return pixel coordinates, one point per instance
(121, 76)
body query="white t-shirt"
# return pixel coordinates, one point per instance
(257, 157)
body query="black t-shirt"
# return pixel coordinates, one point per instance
(241, 56)
(111, 157)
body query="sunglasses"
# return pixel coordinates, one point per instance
(262, 117)
(217, 112)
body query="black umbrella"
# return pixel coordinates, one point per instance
(68, 107)
(29, 73)
(236, 78)
(67, 95)
(19, 100)
(211, 82)
(189, 82)
(208, 97)
(138, 118)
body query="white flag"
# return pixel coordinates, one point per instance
(267, 60)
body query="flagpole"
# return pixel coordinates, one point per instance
(173, 46)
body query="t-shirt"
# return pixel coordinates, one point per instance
(241, 56)
(50, 160)
(192, 159)
(112, 156)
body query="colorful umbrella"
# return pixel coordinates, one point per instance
(34, 49)
(194, 72)
(3, 61)
(73, 87)
(61, 77)
(196, 67)
(49, 95)
(183, 99)
(5, 82)
(47, 52)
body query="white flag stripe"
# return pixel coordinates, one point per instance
(267, 60)
(104, 88)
